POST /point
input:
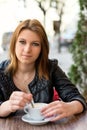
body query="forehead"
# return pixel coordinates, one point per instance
(28, 34)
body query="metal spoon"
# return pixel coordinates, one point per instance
(32, 101)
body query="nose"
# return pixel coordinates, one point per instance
(28, 48)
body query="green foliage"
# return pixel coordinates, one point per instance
(78, 71)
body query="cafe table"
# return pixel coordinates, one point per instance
(14, 122)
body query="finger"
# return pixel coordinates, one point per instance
(51, 109)
(21, 95)
(54, 103)
(18, 103)
(50, 105)
(51, 112)
(58, 117)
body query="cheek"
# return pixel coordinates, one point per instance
(17, 50)
(39, 51)
(18, 47)
(36, 53)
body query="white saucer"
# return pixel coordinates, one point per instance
(27, 118)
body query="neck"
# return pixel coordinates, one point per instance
(26, 68)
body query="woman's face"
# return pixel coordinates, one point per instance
(28, 47)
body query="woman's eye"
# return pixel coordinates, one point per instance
(35, 44)
(22, 42)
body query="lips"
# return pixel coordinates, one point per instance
(26, 56)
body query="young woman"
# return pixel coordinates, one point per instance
(29, 67)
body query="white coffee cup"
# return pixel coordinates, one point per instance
(35, 113)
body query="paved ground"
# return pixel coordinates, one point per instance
(64, 58)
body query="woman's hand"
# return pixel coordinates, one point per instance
(60, 109)
(18, 100)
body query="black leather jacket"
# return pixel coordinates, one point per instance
(42, 90)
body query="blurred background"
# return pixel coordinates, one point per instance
(47, 11)
(65, 22)
(59, 17)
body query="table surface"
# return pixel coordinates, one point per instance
(14, 122)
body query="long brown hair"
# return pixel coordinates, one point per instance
(42, 61)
